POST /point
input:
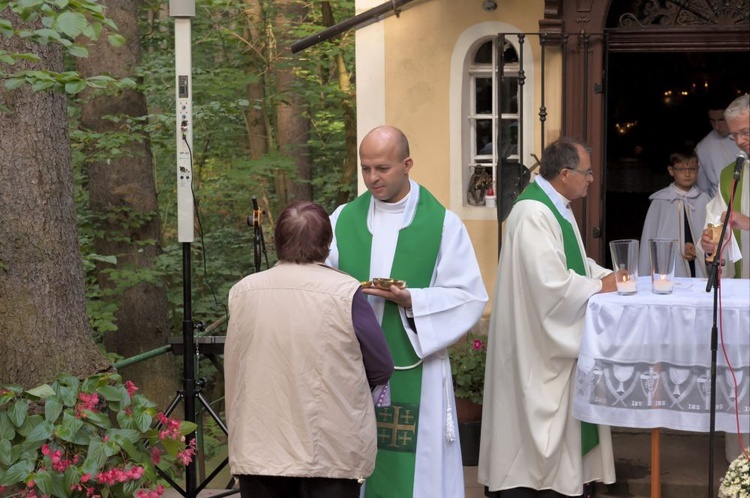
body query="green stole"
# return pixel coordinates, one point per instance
(725, 187)
(575, 262)
(414, 262)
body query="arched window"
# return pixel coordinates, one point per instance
(485, 116)
(492, 116)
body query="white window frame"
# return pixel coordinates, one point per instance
(462, 93)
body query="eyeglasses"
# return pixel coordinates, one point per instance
(586, 172)
(684, 170)
(742, 133)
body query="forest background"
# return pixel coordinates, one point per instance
(91, 270)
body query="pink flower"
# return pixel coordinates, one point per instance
(186, 456)
(155, 455)
(131, 388)
(478, 344)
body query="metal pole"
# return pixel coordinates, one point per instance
(350, 23)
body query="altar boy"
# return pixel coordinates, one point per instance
(677, 212)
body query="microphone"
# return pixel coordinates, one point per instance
(741, 158)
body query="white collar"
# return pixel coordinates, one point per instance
(561, 203)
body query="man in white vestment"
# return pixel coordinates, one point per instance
(716, 149)
(531, 446)
(398, 230)
(737, 253)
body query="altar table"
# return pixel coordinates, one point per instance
(645, 359)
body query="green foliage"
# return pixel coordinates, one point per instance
(65, 23)
(81, 438)
(468, 357)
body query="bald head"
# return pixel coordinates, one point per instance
(388, 136)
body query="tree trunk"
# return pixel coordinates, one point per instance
(293, 126)
(126, 181)
(44, 329)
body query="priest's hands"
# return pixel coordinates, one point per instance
(689, 251)
(609, 283)
(402, 297)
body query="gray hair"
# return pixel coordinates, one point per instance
(559, 155)
(740, 105)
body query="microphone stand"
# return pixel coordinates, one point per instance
(259, 244)
(714, 277)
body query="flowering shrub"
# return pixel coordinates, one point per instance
(736, 482)
(467, 366)
(92, 438)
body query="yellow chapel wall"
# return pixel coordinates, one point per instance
(404, 79)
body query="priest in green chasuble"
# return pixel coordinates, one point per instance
(398, 230)
(531, 446)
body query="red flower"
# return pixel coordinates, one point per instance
(478, 344)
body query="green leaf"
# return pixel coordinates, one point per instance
(59, 487)
(71, 23)
(116, 40)
(43, 480)
(187, 427)
(41, 432)
(5, 453)
(97, 418)
(17, 412)
(78, 51)
(43, 391)
(52, 408)
(104, 259)
(6, 427)
(17, 473)
(69, 428)
(143, 420)
(75, 87)
(95, 457)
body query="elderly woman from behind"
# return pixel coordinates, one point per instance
(302, 353)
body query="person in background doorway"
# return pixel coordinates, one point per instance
(715, 150)
(677, 212)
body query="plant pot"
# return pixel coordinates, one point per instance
(468, 433)
(468, 411)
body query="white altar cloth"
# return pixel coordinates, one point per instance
(645, 359)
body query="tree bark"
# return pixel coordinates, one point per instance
(126, 180)
(44, 328)
(293, 126)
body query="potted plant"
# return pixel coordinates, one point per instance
(90, 438)
(468, 358)
(736, 482)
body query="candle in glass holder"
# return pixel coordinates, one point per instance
(626, 284)
(662, 284)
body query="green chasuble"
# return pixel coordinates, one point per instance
(414, 262)
(725, 188)
(575, 262)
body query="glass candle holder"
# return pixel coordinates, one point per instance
(663, 253)
(625, 262)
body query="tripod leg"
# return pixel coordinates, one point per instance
(211, 412)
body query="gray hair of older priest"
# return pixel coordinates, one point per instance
(303, 233)
(559, 155)
(740, 105)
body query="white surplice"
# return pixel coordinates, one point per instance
(443, 313)
(666, 220)
(529, 436)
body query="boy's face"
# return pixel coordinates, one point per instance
(685, 173)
